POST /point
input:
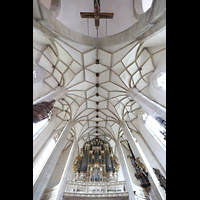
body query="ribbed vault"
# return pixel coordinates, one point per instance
(92, 94)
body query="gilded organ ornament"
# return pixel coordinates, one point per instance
(96, 162)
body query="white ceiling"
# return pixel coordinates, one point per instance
(76, 73)
(72, 83)
(123, 16)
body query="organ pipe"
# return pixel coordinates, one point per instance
(96, 162)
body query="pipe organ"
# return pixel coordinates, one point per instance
(96, 162)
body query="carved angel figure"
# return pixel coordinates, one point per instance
(76, 161)
(140, 164)
(117, 163)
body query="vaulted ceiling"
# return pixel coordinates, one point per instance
(94, 95)
(123, 16)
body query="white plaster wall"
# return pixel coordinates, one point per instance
(160, 64)
(46, 3)
(154, 44)
(40, 89)
(157, 39)
(40, 43)
(123, 16)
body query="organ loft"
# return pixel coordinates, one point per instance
(96, 162)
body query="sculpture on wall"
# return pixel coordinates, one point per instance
(76, 163)
(161, 178)
(140, 174)
(42, 110)
(97, 15)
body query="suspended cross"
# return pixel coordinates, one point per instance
(96, 14)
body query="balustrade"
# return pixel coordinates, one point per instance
(74, 188)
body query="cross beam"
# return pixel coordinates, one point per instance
(96, 14)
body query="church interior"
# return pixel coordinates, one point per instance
(99, 99)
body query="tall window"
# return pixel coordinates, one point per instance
(159, 81)
(46, 152)
(42, 160)
(142, 6)
(37, 126)
(146, 4)
(155, 128)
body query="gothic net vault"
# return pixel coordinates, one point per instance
(99, 100)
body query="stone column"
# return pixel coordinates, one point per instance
(69, 164)
(130, 138)
(152, 108)
(47, 171)
(125, 171)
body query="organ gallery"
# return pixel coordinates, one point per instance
(96, 162)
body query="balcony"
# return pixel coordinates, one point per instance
(91, 191)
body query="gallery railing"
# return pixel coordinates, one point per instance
(87, 189)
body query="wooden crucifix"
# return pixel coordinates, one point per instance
(96, 14)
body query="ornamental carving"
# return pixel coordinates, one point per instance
(96, 162)
(42, 110)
